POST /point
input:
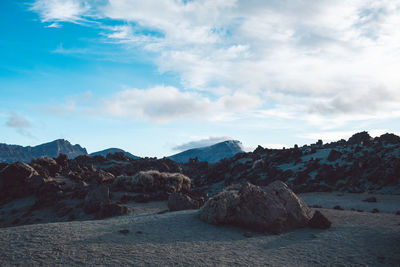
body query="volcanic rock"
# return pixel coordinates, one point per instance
(13, 179)
(370, 199)
(153, 181)
(111, 210)
(334, 155)
(179, 201)
(96, 198)
(319, 221)
(274, 208)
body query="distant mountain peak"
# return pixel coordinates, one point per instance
(12, 153)
(213, 153)
(113, 150)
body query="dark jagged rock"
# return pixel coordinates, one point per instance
(359, 138)
(13, 180)
(319, 221)
(153, 181)
(334, 155)
(96, 198)
(274, 208)
(111, 210)
(370, 199)
(179, 201)
(389, 138)
(46, 166)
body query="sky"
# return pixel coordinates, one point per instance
(158, 77)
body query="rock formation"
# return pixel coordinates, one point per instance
(274, 208)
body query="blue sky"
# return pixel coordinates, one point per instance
(154, 77)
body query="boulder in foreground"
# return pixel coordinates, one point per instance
(274, 208)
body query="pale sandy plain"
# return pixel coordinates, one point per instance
(180, 239)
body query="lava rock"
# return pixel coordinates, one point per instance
(370, 199)
(274, 208)
(179, 201)
(319, 221)
(111, 210)
(334, 155)
(96, 198)
(153, 181)
(13, 180)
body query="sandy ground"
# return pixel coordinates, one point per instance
(348, 201)
(180, 239)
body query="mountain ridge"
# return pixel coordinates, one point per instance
(113, 150)
(12, 153)
(212, 154)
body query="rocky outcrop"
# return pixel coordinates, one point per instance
(13, 179)
(153, 181)
(274, 208)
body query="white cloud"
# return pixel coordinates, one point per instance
(19, 123)
(61, 10)
(319, 61)
(212, 140)
(160, 104)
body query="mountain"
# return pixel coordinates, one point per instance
(112, 151)
(214, 153)
(12, 153)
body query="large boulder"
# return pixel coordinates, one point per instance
(274, 208)
(96, 198)
(153, 181)
(13, 179)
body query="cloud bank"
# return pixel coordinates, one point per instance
(322, 61)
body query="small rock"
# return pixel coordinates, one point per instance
(179, 201)
(370, 199)
(337, 207)
(248, 234)
(316, 206)
(381, 258)
(398, 212)
(139, 232)
(360, 210)
(162, 211)
(375, 211)
(124, 231)
(319, 221)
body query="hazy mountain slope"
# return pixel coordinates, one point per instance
(12, 153)
(214, 153)
(112, 151)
